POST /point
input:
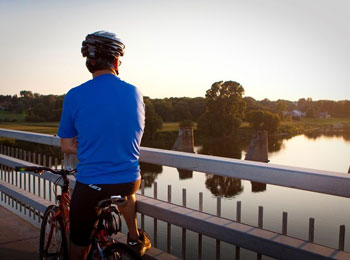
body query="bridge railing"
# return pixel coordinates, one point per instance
(33, 194)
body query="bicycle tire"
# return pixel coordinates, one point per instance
(55, 247)
(120, 251)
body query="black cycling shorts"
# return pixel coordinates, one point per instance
(83, 215)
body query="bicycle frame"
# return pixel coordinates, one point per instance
(101, 239)
(64, 202)
(63, 206)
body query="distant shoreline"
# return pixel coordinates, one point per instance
(286, 128)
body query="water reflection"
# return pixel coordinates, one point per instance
(258, 186)
(235, 148)
(223, 186)
(322, 149)
(329, 133)
(149, 172)
(276, 143)
(225, 147)
(185, 174)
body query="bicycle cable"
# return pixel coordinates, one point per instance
(56, 184)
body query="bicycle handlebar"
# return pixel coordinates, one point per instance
(39, 169)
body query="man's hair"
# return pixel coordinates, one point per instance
(100, 63)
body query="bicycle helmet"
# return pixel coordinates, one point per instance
(102, 44)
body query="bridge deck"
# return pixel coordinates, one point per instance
(19, 240)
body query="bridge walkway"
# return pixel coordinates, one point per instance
(19, 240)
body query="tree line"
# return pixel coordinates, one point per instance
(36, 107)
(219, 113)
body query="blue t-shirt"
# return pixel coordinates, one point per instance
(107, 115)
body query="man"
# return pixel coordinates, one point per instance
(103, 121)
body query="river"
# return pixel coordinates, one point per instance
(319, 150)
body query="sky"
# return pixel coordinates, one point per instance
(276, 49)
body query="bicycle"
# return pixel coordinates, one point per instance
(55, 224)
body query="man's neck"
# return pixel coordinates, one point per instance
(101, 72)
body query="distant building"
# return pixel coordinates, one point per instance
(5, 106)
(295, 114)
(324, 115)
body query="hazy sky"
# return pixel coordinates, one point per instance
(277, 49)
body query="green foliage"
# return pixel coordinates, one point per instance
(36, 107)
(45, 109)
(153, 121)
(178, 109)
(263, 120)
(280, 108)
(310, 112)
(225, 108)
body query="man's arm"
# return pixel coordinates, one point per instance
(69, 145)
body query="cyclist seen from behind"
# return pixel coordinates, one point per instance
(103, 121)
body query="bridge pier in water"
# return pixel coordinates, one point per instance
(184, 143)
(258, 152)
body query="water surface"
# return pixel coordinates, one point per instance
(330, 151)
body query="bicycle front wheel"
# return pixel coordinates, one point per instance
(119, 251)
(53, 240)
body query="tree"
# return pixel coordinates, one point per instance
(263, 120)
(182, 110)
(153, 121)
(281, 107)
(225, 109)
(45, 108)
(251, 104)
(164, 108)
(26, 94)
(310, 112)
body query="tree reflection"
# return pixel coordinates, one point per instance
(149, 172)
(345, 134)
(258, 186)
(223, 186)
(185, 174)
(225, 147)
(275, 143)
(230, 148)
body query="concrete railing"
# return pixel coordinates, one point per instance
(26, 189)
(326, 182)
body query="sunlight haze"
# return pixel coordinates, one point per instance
(275, 49)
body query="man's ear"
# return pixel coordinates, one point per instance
(116, 65)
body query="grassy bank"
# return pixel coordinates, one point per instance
(309, 124)
(43, 128)
(287, 127)
(6, 116)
